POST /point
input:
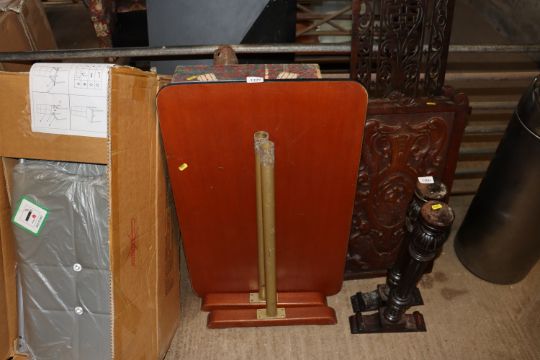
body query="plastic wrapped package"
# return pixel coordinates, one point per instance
(64, 275)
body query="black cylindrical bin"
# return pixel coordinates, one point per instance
(499, 240)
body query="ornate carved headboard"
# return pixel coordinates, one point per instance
(414, 125)
(401, 45)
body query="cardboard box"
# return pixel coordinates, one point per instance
(23, 27)
(143, 233)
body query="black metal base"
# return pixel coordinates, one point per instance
(376, 323)
(373, 300)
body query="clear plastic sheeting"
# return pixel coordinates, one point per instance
(64, 270)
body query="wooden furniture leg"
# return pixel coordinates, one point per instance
(425, 241)
(430, 189)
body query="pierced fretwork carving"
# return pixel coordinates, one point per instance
(401, 45)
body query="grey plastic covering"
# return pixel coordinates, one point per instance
(64, 271)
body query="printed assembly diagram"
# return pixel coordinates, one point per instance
(51, 78)
(70, 99)
(89, 78)
(90, 114)
(51, 114)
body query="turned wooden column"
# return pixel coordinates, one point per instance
(423, 193)
(426, 239)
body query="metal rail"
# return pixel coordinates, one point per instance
(200, 50)
(207, 50)
(469, 76)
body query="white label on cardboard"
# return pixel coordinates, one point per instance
(425, 179)
(254, 79)
(30, 216)
(70, 99)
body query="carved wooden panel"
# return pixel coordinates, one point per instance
(401, 142)
(401, 45)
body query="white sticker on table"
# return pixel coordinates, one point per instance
(70, 99)
(254, 79)
(426, 180)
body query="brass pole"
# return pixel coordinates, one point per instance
(260, 137)
(268, 209)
